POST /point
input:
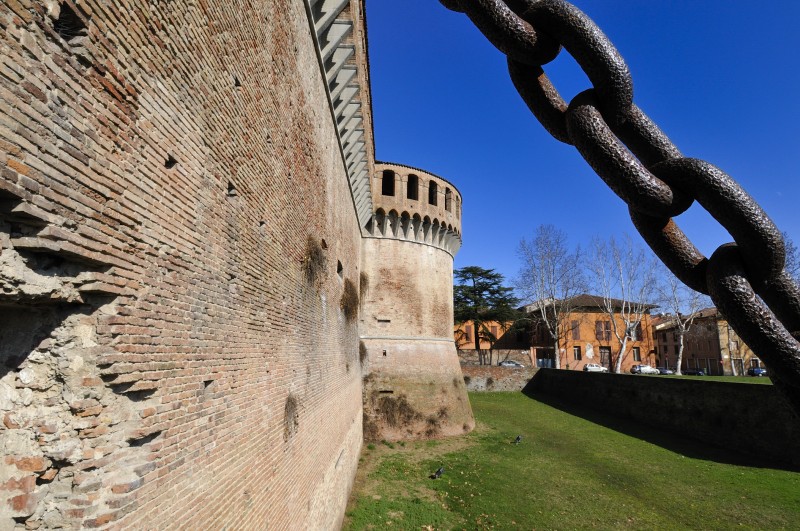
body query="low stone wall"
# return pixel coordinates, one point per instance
(492, 378)
(748, 418)
(470, 356)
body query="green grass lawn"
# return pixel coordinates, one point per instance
(569, 472)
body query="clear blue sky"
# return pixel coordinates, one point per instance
(721, 78)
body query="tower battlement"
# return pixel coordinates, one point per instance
(417, 192)
(414, 205)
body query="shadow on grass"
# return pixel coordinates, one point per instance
(677, 443)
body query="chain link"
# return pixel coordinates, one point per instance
(645, 169)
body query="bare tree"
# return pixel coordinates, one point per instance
(792, 258)
(549, 279)
(683, 305)
(625, 275)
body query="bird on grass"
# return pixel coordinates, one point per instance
(518, 439)
(438, 473)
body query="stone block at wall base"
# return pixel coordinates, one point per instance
(479, 378)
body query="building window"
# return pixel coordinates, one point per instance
(448, 199)
(542, 332)
(458, 208)
(412, 191)
(602, 330)
(636, 332)
(576, 353)
(755, 363)
(493, 329)
(387, 184)
(664, 337)
(605, 356)
(433, 192)
(468, 333)
(576, 329)
(637, 354)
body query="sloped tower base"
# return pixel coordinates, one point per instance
(414, 391)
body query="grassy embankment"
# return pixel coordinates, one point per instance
(569, 472)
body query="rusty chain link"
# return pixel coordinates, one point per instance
(645, 169)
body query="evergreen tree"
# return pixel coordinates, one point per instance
(480, 297)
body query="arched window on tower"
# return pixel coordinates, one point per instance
(433, 192)
(458, 208)
(413, 187)
(448, 199)
(387, 185)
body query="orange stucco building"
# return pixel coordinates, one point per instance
(589, 338)
(710, 344)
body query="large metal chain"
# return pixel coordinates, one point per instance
(645, 169)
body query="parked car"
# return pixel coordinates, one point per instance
(694, 372)
(644, 369)
(594, 367)
(665, 370)
(511, 363)
(756, 371)
(647, 369)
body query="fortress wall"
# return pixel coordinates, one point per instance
(174, 351)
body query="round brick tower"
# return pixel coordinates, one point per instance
(413, 386)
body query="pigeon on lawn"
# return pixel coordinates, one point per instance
(518, 439)
(438, 473)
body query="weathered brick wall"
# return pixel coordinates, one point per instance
(749, 418)
(489, 378)
(173, 205)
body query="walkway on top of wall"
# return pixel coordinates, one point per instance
(332, 27)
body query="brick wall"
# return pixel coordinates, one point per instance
(749, 418)
(414, 387)
(173, 206)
